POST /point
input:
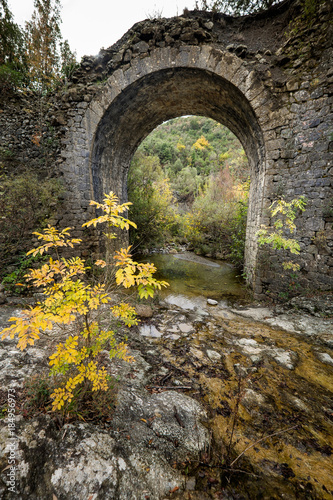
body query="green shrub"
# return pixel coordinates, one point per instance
(217, 221)
(238, 228)
(15, 282)
(10, 78)
(26, 204)
(152, 199)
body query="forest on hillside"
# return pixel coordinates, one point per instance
(189, 182)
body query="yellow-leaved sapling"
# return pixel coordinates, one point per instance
(69, 299)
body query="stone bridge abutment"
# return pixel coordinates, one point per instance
(166, 84)
(271, 87)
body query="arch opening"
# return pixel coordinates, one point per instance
(161, 96)
(189, 182)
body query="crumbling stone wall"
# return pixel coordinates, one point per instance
(269, 81)
(28, 136)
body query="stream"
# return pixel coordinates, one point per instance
(191, 276)
(267, 390)
(225, 399)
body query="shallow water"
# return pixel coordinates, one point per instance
(275, 386)
(268, 396)
(192, 276)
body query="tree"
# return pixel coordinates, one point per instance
(152, 199)
(47, 54)
(176, 167)
(244, 7)
(12, 60)
(236, 7)
(187, 183)
(68, 59)
(10, 35)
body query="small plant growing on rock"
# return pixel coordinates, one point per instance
(285, 213)
(71, 300)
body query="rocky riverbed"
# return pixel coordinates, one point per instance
(220, 402)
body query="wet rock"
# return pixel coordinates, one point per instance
(173, 329)
(256, 313)
(297, 403)
(197, 353)
(287, 359)
(325, 358)
(185, 327)
(213, 355)
(181, 302)
(293, 322)
(173, 336)
(249, 346)
(201, 312)
(150, 331)
(252, 398)
(240, 370)
(256, 351)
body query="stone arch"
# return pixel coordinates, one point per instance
(274, 92)
(166, 84)
(160, 96)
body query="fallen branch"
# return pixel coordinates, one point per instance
(262, 439)
(183, 387)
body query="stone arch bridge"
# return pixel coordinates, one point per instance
(268, 81)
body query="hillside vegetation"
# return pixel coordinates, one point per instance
(188, 183)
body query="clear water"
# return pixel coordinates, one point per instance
(192, 276)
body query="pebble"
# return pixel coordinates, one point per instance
(213, 355)
(198, 354)
(212, 302)
(185, 327)
(325, 358)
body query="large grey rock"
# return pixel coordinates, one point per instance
(132, 459)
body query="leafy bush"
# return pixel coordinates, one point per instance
(283, 215)
(274, 236)
(217, 222)
(235, 7)
(77, 364)
(95, 406)
(238, 233)
(152, 199)
(15, 282)
(10, 78)
(26, 204)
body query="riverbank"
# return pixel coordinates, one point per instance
(220, 402)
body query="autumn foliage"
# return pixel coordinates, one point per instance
(71, 301)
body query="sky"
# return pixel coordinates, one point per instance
(89, 25)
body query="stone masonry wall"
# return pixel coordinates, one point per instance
(267, 77)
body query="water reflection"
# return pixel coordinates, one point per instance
(192, 276)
